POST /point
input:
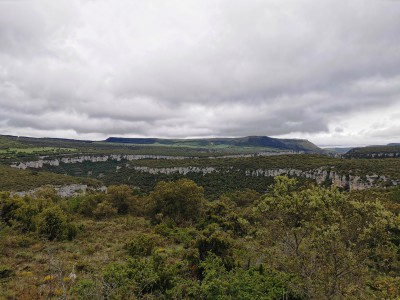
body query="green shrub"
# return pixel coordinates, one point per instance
(86, 289)
(8, 206)
(141, 245)
(47, 192)
(216, 241)
(105, 210)
(25, 214)
(75, 203)
(254, 283)
(52, 223)
(89, 203)
(71, 231)
(119, 196)
(181, 200)
(223, 213)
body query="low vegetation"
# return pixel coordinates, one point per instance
(295, 241)
(219, 235)
(23, 180)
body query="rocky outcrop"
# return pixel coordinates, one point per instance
(87, 158)
(329, 175)
(37, 164)
(320, 175)
(65, 190)
(178, 170)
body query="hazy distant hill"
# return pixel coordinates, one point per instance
(338, 150)
(249, 141)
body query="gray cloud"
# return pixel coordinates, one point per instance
(325, 70)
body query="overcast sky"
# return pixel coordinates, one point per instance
(325, 70)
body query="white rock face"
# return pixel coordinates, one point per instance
(80, 159)
(178, 170)
(320, 175)
(65, 191)
(129, 157)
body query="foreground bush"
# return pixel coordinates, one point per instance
(181, 200)
(52, 223)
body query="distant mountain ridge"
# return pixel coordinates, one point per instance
(297, 145)
(248, 143)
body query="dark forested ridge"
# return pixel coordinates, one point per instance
(388, 151)
(196, 221)
(249, 141)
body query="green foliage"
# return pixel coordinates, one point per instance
(375, 152)
(119, 197)
(22, 212)
(86, 289)
(141, 244)
(74, 203)
(216, 241)
(329, 241)
(181, 200)
(297, 241)
(139, 277)
(253, 283)
(223, 213)
(52, 223)
(47, 192)
(24, 216)
(104, 210)
(23, 180)
(8, 206)
(88, 205)
(7, 142)
(245, 197)
(185, 288)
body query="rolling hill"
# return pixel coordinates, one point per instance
(376, 151)
(270, 144)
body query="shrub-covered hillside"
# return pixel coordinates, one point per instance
(12, 179)
(294, 242)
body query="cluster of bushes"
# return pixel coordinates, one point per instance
(157, 277)
(305, 242)
(42, 215)
(13, 179)
(295, 242)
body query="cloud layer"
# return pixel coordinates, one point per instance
(325, 70)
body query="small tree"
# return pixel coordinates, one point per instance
(104, 210)
(181, 200)
(327, 240)
(52, 223)
(119, 196)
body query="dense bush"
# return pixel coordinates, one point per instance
(141, 245)
(295, 242)
(181, 200)
(52, 223)
(104, 210)
(329, 241)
